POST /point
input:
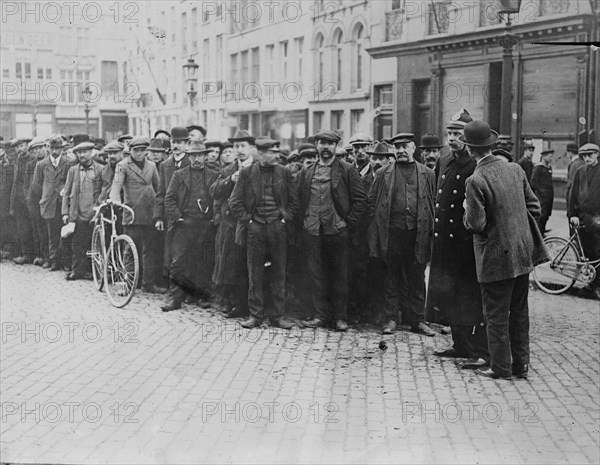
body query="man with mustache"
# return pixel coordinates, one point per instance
(401, 213)
(38, 150)
(430, 150)
(332, 201)
(114, 154)
(82, 189)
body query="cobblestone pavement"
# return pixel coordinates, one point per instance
(85, 382)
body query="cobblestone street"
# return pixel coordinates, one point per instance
(84, 382)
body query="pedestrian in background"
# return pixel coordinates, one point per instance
(543, 187)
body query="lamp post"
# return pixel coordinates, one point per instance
(87, 95)
(191, 77)
(507, 41)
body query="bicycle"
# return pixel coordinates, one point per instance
(115, 266)
(568, 264)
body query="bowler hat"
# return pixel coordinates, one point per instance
(402, 138)
(572, 147)
(459, 120)
(430, 141)
(158, 144)
(381, 150)
(241, 135)
(162, 131)
(267, 144)
(502, 153)
(179, 134)
(588, 148)
(307, 150)
(77, 139)
(478, 134)
(328, 136)
(85, 145)
(56, 142)
(197, 147)
(199, 128)
(139, 142)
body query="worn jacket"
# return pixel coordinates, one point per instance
(584, 200)
(347, 191)
(47, 184)
(70, 200)
(139, 190)
(543, 188)
(498, 200)
(165, 174)
(379, 210)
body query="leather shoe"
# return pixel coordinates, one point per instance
(341, 325)
(489, 373)
(423, 329)
(236, 312)
(46, 265)
(448, 353)
(20, 260)
(283, 323)
(250, 322)
(38, 261)
(71, 277)
(474, 364)
(54, 267)
(171, 305)
(314, 323)
(520, 371)
(389, 327)
(446, 330)
(154, 289)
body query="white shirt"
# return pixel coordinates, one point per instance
(55, 161)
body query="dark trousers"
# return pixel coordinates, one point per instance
(506, 312)
(359, 254)
(405, 279)
(267, 242)
(470, 341)
(8, 235)
(297, 302)
(54, 242)
(25, 225)
(81, 242)
(327, 266)
(591, 247)
(145, 239)
(542, 221)
(40, 235)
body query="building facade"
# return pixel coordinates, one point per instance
(49, 54)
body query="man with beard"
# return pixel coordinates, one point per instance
(231, 271)
(82, 189)
(264, 200)
(137, 177)
(189, 209)
(18, 202)
(454, 296)
(543, 187)
(114, 154)
(401, 213)
(38, 150)
(430, 150)
(332, 201)
(47, 185)
(177, 160)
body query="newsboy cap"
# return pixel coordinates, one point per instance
(588, 148)
(114, 146)
(139, 142)
(268, 144)
(328, 136)
(85, 145)
(402, 137)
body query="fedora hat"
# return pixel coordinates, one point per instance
(478, 134)
(197, 147)
(56, 142)
(241, 135)
(158, 144)
(179, 134)
(430, 141)
(381, 149)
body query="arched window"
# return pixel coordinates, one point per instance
(320, 60)
(337, 60)
(359, 33)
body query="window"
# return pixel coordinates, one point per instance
(317, 121)
(27, 70)
(283, 51)
(438, 17)
(234, 68)
(194, 29)
(336, 120)
(184, 32)
(299, 46)
(5, 73)
(206, 59)
(40, 74)
(255, 76)
(244, 67)
(384, 96)
(319, 46)
(358, 70)
(48, 73)
(173, 26)
(109, 77)
(337, 61)
(219, 59)
(356, 120)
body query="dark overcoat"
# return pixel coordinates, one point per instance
(47, 184)
(453, 294)
(543, 188)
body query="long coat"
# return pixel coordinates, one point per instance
(139, 190)
(7, 176)
(584, 200)
(527, 165)
(47, 184)
(70, 201)
(453, 294)
(380, 205)
(499, 206)
(543, 188)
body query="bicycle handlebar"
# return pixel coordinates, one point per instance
(110, 202)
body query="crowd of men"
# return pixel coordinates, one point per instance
(324, 235)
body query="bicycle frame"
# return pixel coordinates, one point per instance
(579, 264)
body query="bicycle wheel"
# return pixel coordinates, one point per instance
(121, 271)
(560, 273)
(96, 254)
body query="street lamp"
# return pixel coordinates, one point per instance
(507, 41)
(87, 95)
(191, 72)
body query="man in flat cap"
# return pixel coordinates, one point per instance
(526, 161)
(82, 189)
(576, 161)
(453, 295)
(332, 201)
(265, 201)
(505, 143)
(114, 154)
(231, 271)
(38, 150)
(508, 245)
(46, 190)
(189, 208)
(401, 213)
(196, 132)
(137, 179)
(543, 187)
(8, 227)
(584, 206)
